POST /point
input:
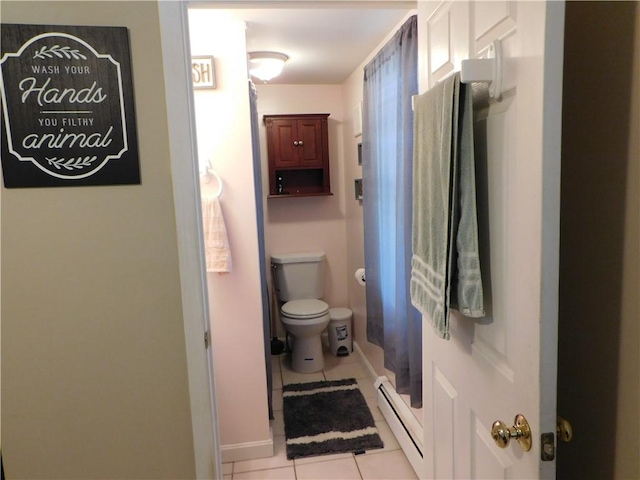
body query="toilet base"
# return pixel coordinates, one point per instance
(307, 355)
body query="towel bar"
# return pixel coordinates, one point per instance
(486, 70)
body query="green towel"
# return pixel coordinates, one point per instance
(445, 266)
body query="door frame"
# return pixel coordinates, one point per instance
(174, 27)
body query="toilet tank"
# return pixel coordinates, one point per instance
(298, 276)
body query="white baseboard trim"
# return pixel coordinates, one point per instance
(402, 423)
(397, 414)
(248, 451)
(365, 362)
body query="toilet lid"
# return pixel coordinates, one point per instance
(305, 308)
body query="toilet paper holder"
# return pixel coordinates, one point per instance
(360, 276)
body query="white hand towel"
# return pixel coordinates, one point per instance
(216, 243)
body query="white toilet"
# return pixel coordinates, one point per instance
(299, 283)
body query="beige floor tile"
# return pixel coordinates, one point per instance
(275, 370)
(279, 459)
(388, 438)
(276, 397)
(375, 411)
(366, 387)
(284, 473)
(289, 376)
(227, 468)
(331, 359)
(285, 362)
(275, 363)
(321, 458)
(346, 370)
(227, 477)
(277, 381)
(385, 466)
(277, 424)
(343, 469)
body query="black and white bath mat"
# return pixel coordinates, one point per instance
(322, 418)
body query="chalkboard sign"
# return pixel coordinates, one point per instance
(68, 116)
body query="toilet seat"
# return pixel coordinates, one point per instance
(305, 309)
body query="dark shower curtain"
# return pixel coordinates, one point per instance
(390, 80)
(257, 181)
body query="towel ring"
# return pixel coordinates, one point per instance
(211, 171)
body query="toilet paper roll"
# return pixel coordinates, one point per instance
(360, 276)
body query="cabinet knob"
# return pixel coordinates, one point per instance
(295, 143)
(300, 143)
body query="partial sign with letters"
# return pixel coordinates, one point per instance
(68, 116)
(203, 72)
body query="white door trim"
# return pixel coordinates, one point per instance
(184, 168)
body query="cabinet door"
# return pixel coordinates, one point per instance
(285, 133)
(298, 152)
(310, 144)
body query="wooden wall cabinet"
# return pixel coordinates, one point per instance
(298, 152)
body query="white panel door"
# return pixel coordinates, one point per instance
(505, 364)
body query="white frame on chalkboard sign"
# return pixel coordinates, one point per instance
(68, 109)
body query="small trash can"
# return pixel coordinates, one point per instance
(340, 338)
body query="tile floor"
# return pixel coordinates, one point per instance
(387, 463)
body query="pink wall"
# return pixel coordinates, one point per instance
(224, 137)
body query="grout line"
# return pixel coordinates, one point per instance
(357, 466)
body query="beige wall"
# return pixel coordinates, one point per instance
(599, 363)
(224, 137)
(94, 369)
(314, 223)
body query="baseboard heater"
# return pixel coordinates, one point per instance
(405, 427)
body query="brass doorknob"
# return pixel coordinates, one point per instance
(564, 430)
(520, 431)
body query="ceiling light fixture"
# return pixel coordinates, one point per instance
(266, 65)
